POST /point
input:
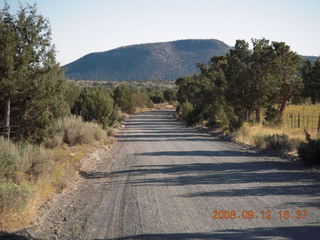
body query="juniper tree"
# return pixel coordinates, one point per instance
(94, 104)
(8, 43)
(311, 79)
(285, 68)
(30, 77)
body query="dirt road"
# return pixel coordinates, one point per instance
(164, 180)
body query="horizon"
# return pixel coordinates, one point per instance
(145, 43)
(81, 27)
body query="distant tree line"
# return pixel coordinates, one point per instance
(235, 88)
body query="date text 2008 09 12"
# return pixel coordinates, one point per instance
(263, 214)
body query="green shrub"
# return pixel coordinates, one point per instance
(170, 95)
(194, 116)
(10, 158)
(35, 160)
(54, 141)
(14, 196)
(30, 160)
(111, 132)
(75, 131)
(310, 152)
(272, 116)
(129, 107)
(7, 163)
(218, 117)
(185, 109)
(98, 132)
(259, 140)
(141, 99)
(280, 142)
(156, 95)
(94, 104)
(75, 134)
(123, 97)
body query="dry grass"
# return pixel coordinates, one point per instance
(23, 166)
(30, 175)
(159, 106)
(67, 162)
(23, 162)
(74, 131)
(267, 137)
(112, 131)
(302, 117)
(257, 134)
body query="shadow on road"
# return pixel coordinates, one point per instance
(93, 174)
(281, 173)
(225, 169)
(14, 236)
(226, 153)
(292, 233)
(311, 189)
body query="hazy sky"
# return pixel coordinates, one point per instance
(83, 26)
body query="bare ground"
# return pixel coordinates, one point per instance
(163, 180)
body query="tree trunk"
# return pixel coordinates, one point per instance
(286, 87)
(257, 110)
(282, 106)
(7, 118)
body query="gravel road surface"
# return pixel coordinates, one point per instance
(163, 181)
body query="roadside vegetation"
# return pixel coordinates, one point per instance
(266, 96)
(30, 174)
(48, 123)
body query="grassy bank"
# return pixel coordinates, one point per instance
(31, 174)
(287, 136)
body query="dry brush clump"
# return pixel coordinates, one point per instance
(14, 196)
(30, 174)
(20, 166)
(267, 137)
(74, 131)
(286, 136)
(19, 162)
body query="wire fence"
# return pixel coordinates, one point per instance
(309, 122)
(4, 130)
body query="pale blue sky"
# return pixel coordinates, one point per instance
(83, 26)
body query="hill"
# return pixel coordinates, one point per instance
(312, 59)
(152, 61)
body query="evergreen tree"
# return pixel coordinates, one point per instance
(124, 98)
(311, 79)
(8, 43)
(231, 88)
(169, 95)
(237, 75)
(285, 67)
(31, 81)
(261, 81)
(94, 104)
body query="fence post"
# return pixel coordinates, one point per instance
(298, 119)
(7, 118)
(307, 122)
(319, 124)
